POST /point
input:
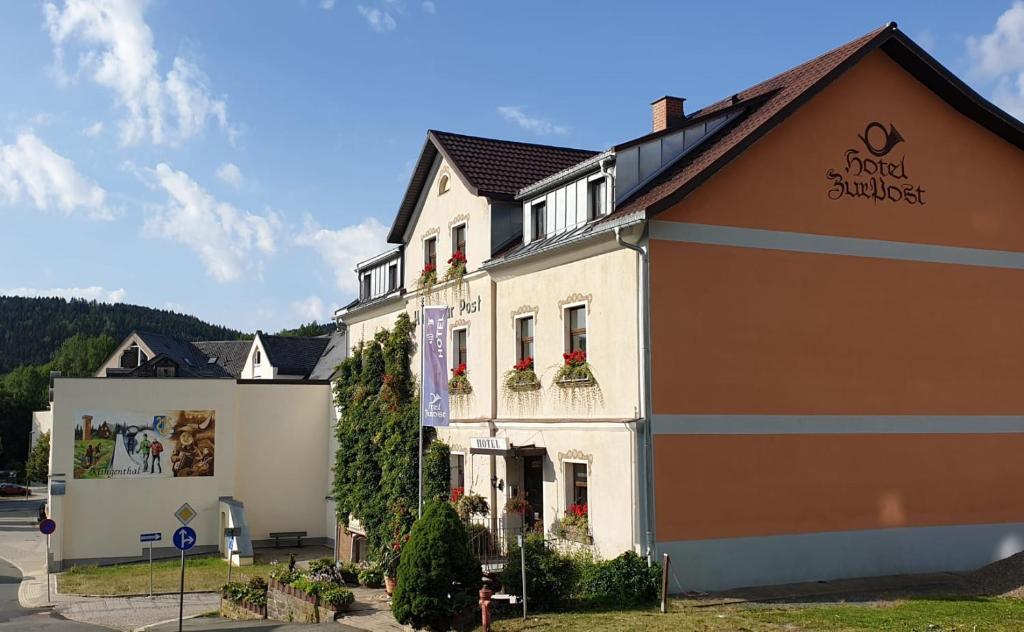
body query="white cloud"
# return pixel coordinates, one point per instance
(430, 7)
(926, 40)
(31, 169)
(379, 20)
(94, 130)
(326, 5)
(231, 174)
(228, 240)
(342, 249)
(999, 57)
(42, 119)
(515, 115)
(92, 293)
(311, 308)
(117, 51)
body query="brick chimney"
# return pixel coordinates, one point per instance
(667, 112)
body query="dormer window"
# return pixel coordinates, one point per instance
(539, 218)
(257, 358)
(443, 185)
(596, 196)
(364, 287)
(393, 276)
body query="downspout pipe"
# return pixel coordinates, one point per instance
(645, 400)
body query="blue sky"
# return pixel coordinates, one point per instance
(235, 159)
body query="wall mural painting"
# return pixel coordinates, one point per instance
(877, 174)
(168, 444)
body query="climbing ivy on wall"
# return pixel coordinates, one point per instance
(376, 465)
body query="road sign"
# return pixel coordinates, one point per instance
(185, 514)
(47, 526)
(184, 538)
(230, 532)
(150, 537)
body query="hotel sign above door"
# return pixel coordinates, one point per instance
(498, 446)
(875, 175)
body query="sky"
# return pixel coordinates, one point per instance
(235, 159)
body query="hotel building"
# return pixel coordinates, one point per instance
(800, 306)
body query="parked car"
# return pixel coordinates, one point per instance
(10, 489)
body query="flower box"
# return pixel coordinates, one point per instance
(521, 377)
(575, 382)
(575, 371)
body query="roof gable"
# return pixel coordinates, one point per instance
(293, 355)
(488, 167)
(783, 94)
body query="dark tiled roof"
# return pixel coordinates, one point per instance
(293, 355)
(332, 356)
(489, 167)
(775, 99)
(228, 354)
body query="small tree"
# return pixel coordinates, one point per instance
(437, 471)
(438, 575)
(37, 468)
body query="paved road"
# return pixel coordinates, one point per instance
(14, 617)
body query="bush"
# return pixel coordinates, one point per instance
(371, 577)
(325, 570)
(282, 574)
(439, 575)
(253, 592)
(349, 573)
(550, 576)
(337, 597)
(436, 471)
(626, 580)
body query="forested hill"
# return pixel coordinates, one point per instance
(31, 329)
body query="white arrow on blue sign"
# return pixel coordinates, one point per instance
(184, 538)
(150, 537)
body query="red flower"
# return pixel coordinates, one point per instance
(578, 510)
(459, 371)
(524, 364)
(576, 358)
(427, 269)
(457, 257)
(457, 493)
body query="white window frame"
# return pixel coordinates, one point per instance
(394, 265)
(464, 328)
(604, 205)
(444, 184)
(566, 336)
(423, 247)
(465, 468)
(569, 483)
(451, 236)
(515, 334)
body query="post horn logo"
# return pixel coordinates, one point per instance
(889, 138)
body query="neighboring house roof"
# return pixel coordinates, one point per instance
(332, 356)
(293, 355)
(228, 354)
(775, 99)
(488, 167)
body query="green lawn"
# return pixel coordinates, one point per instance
(201, 573)
(913, 615)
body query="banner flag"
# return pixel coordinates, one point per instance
(434, 409)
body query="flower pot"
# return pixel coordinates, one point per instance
(389, 584)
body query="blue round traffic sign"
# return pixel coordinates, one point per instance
(184, 538)
(47, 526)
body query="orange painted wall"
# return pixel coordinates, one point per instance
(717, 486)
(974, 181)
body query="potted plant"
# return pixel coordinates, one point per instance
(459, 382)
(456, 494)
(575, 524)
(517, 504)
(469, 505)
(456, 267)
(428, 277)
(388, 562)
(575, 370)
(522, 377)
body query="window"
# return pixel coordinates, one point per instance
(539, 218)
(364, 292)
(443, 185)
(459, 349)
(596, 198)
(166, 371)
(576, 319)
(430, 251)
(524, 338)
(392, 276)
(459, 239)
(576, 477)
(458, 471)
(257, 358)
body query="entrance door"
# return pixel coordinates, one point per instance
(533, 487)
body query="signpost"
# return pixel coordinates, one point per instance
(151, 538)
(230, 533)
(47, 526)
(184, 539)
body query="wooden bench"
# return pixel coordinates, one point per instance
(288, 535)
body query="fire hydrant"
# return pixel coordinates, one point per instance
(485, 608)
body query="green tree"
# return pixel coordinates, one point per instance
(311, 329)
(439, 575)
(82, 356)
(37, 468)
(437, 471)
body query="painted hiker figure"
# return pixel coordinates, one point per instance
(88, 456)
(154, 451)
(144, 447)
